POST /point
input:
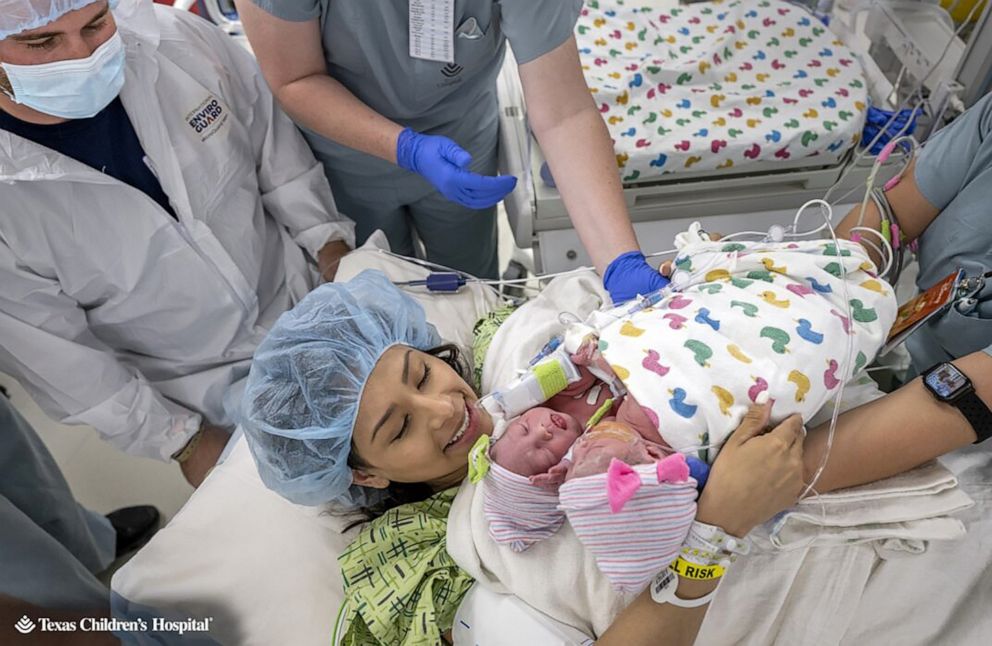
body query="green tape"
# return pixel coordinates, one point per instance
(550, 377)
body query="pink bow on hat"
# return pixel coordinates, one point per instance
(622, 481)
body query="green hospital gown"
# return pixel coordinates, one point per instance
(400, 584)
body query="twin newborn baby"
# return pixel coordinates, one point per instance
(628, 497)
(786, 321)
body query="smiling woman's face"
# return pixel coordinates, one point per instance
(416, 422)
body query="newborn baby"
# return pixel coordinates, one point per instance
(629, 501)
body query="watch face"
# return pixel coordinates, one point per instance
(946, 381)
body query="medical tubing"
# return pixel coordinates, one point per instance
(885, 253)
(917, 91)
(866, 150)
(845, 367)
(882, 157)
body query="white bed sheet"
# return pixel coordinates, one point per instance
(266, 570)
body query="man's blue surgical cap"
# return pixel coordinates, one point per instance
(22, 15)
(306, 381)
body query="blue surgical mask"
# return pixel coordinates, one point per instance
(73, 89)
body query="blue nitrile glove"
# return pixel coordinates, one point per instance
(698, 470)
(629, 275)
(444, 164)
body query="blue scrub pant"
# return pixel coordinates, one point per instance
(50, 546)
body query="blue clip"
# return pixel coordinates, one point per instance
(438, 282)
(548, 348)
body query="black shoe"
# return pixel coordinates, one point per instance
(134, 526)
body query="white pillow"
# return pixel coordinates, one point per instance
(265, 569)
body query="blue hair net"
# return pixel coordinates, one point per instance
(21, 15)
(307, 378)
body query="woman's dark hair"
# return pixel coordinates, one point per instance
(401, 493)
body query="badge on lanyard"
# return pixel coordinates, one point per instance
(432, 30)
(916, 312)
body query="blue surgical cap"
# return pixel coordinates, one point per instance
(21, 15)
(306, 381)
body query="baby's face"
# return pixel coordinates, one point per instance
(535, 441)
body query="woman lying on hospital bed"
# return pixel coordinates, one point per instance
(353, 401)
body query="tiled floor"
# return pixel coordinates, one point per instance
(103, 478)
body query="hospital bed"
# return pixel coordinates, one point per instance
(758, 167)
(265, 570)
(731, 73)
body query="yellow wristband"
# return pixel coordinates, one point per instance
(186, 452)
(695, 572)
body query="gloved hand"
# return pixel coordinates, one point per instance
(443, 163)
(629, 275)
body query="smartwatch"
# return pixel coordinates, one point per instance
(949, 385)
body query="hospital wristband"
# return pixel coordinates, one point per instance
(711, 539)
(187, 451)
(704, 558)
(695, 572)
(664, 590)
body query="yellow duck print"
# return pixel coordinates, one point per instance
(629, 329)
(620, 371)
(724, 399)
(875, 286)
(717, 274)
(738, 354)
(770, 266)
(802, 384)
(771, 299)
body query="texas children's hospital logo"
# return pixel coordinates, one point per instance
(26, 625)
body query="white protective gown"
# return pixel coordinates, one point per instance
(114, 314)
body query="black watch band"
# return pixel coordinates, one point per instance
(977, 414)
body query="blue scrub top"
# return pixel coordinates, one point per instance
(366, 45)
(954, 173)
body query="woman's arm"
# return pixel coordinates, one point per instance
(756, 475)
(895, 433)
(951, 159)
(911, 209)
(291, 56)
(579, 151)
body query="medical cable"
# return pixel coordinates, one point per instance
(921, 105)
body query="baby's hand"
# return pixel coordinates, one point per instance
(553, 478)
(587, 351)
